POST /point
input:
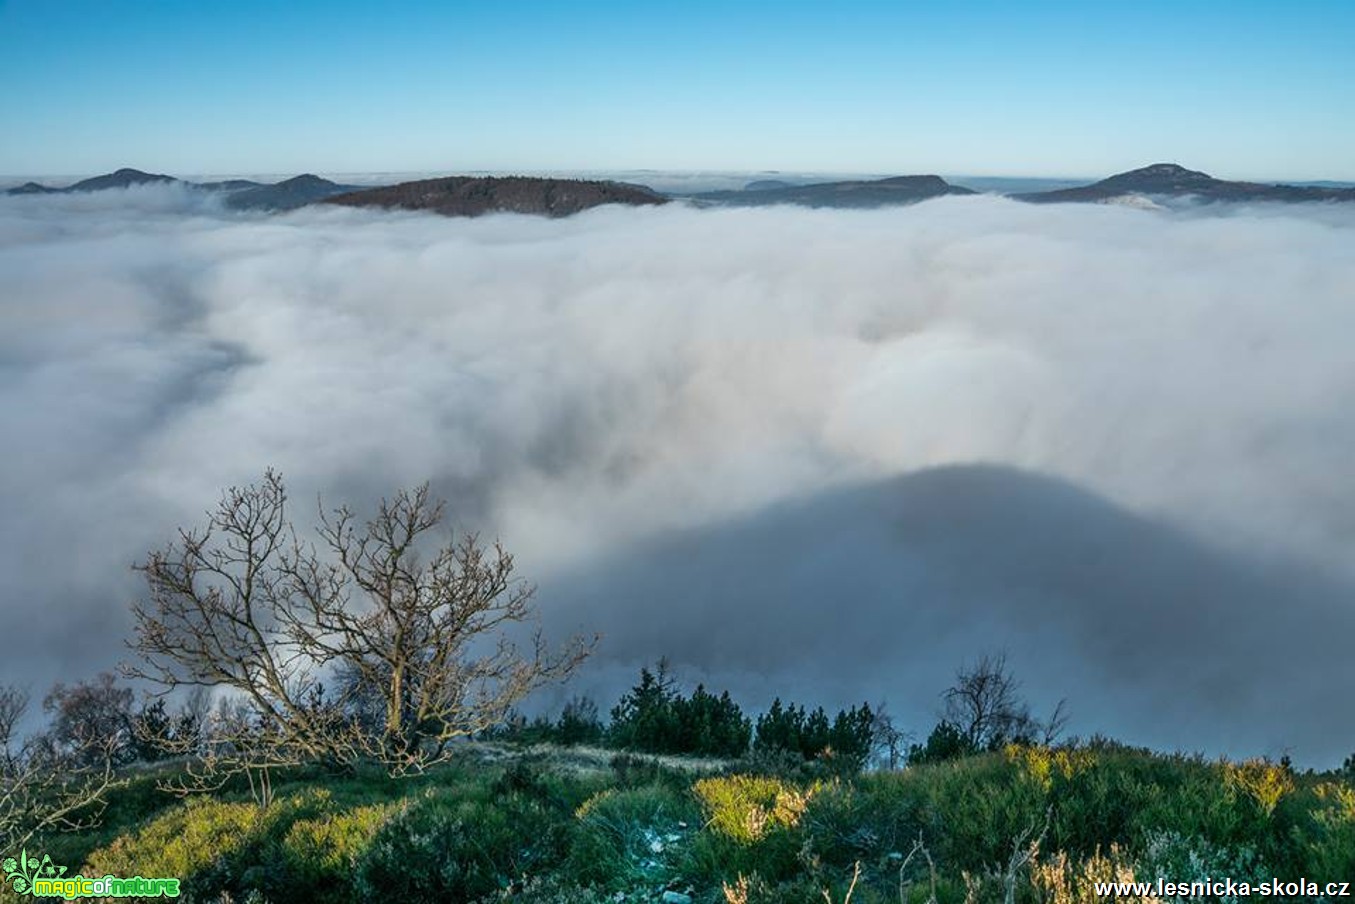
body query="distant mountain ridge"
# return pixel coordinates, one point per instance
(556, 197)
(451, 196)
(33, 188)
(241, 194)
(853, 193)
(470, 196)
(123, 178)
(1174, 180)
(229, 185)
(288, 194)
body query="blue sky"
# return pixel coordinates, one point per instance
(1241, 89)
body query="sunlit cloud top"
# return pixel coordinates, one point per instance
(843, 448)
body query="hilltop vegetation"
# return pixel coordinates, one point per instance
(541, 824)
(403, 770)
(681, 797)
(469, 196)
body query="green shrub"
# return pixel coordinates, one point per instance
(320, 854)
(442, 847)
(185, 842)
(1046, 765)
(128, 807)
(524, 776)
(1329, 842)
(781, 763)
(969, 811)
(1105, 795)
(744, 808)
(536, 778)
(865, 820)
(578, 723)
(1179, 858)
(558, 890)
(533, 831)
(753, 826)
(630, 771)
(1264, 782)
(945, 742)
(631, 836)
(518, 730)
(213, 846)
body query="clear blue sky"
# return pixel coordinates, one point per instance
(1243, 89)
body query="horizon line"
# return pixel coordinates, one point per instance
(416, 173)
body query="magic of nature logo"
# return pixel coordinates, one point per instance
(41, 878)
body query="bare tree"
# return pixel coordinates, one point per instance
(888, 742)
(191, 719)
(429, 635)
(13, 705)
(986, 706)
(245, 606)
(90, 718)
(1052, 728)
(233, 740)
(159, 732)
(212, 621)
(44, 788)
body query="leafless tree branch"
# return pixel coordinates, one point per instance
(419, 632)
(43, 789)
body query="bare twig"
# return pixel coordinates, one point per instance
(906, 886)
(420, 643)
(856, 875)
(44, 789)
(1023, 851)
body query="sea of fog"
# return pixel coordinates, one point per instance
(831, 454)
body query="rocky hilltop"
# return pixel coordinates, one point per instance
(469, 196)
(1171, 180)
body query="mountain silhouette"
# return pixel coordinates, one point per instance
(288, 194)
(1172, 180)
(123, 178)
(866, 193)
(883, 589)
(476, 195)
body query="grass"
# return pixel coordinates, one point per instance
(543, 824)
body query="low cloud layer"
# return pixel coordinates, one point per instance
(838, 449)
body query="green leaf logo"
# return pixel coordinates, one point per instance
(21, 873)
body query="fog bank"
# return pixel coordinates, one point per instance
(645, 404)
